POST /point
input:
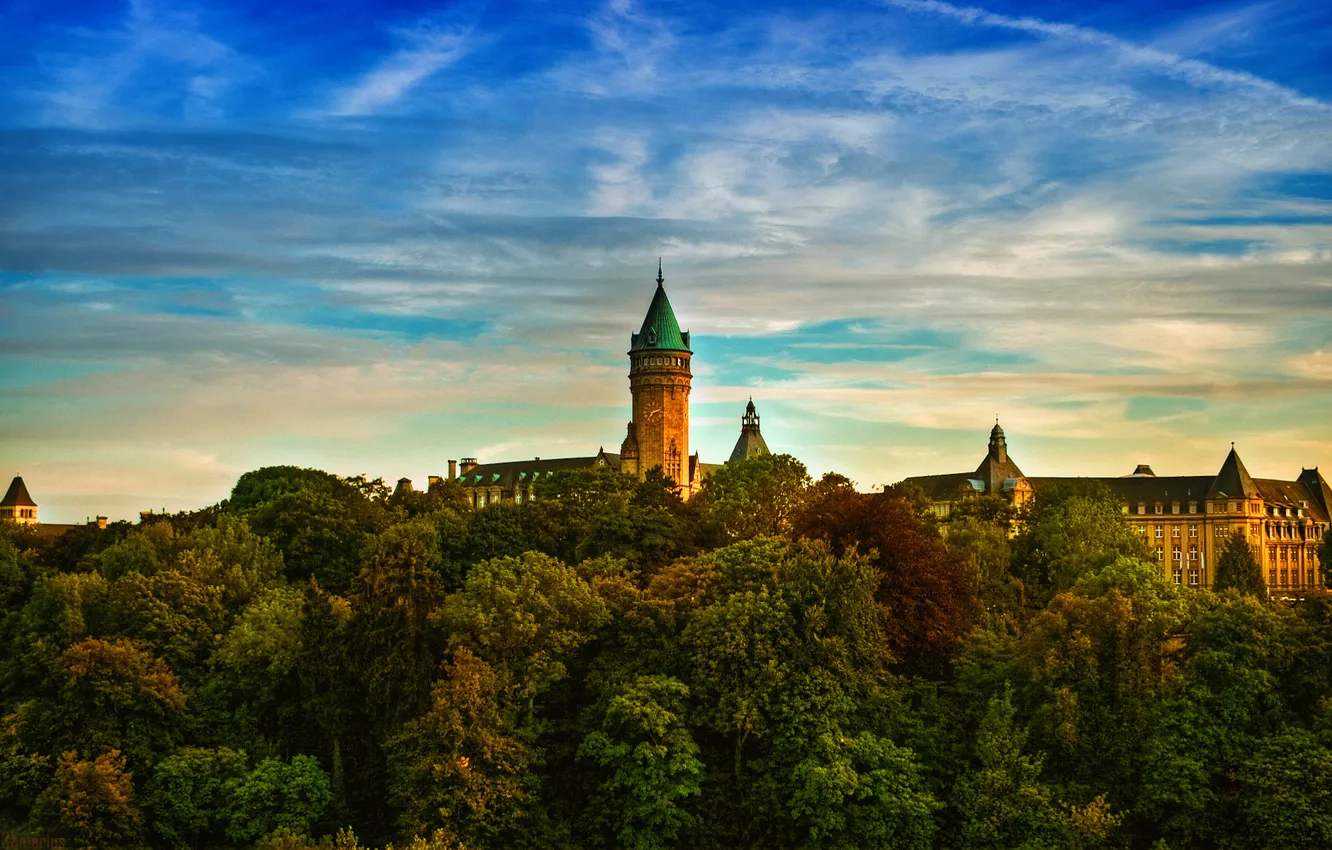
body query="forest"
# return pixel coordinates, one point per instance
(778, 662)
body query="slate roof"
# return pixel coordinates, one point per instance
(17, 495)
(751, 442)
(994, 472)
(514, 473)
(1233, 480)
(660, 331)
(1317, 488)
(1146, 489)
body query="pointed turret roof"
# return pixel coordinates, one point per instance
(1233, 480)
(17, 495)
(660, 331)
(751, 441)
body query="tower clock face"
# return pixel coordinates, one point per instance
(652, 413)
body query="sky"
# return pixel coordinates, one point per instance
(371, 237)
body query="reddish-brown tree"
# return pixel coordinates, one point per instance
(927, 591)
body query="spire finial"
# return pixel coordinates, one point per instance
(660, 279)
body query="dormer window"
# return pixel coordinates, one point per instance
(1174, 507)
(1193, 507)
(1142, 508)
(1159, 508)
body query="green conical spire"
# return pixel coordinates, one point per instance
(660, 331)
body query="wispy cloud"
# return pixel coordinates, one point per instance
(887, 222)
(429, 47)
(1192, 70)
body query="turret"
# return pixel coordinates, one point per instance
(751, 441)
(998, 447)
(17, 506)
(659, 382)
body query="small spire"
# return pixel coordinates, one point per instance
(660, 280)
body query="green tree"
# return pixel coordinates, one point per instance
(186, 795)
(1325, 558)
(1070, 531)
(391, 638)
(750, 498)
(649, 761)
(525, 616)
(1285, 790)
(275, 795)
(1237, 568)
(1002, 802)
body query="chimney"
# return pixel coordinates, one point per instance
(466, 465)
(433, 482)
(453, 469)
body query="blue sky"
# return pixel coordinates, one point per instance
(371, 237)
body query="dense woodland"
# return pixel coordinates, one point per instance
(776, 663)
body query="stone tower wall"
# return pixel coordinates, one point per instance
(659, 382)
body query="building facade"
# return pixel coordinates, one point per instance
(657, 436)
(1185, 519)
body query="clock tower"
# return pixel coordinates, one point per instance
(659, 380)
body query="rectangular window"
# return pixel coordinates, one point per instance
(1193, 578)
(1174, 531)
(1193, 531)
(1160, 532)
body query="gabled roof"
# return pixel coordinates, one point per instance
(660, 331)
(1233, 481)
(17, 495)
(994, 472)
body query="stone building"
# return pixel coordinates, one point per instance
(657, 435)
(1185, 519)
(17, 506)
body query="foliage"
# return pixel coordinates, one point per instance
(1069, 531)
(91, 800)
(1237, 568)
(752, 497)
(316, 663)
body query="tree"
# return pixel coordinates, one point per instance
(752, 497)
(649, 762)
(1237, 568)
(92, 800)
(391, 638)
(1002, 802)
(927, 591)
(1325, 558)
(116, 696)
(186, 794)
(1070, 531)
(526, 617)
(461, 766)
(275, 795)
(1285, 794)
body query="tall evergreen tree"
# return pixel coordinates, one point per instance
(1236, 567)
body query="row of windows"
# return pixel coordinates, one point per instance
(19, 513)
(663, 361)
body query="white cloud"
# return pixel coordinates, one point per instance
(427, 54)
